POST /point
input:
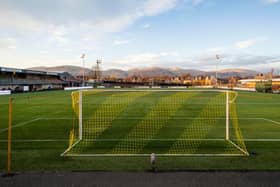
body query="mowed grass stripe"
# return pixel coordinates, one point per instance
(151, 124)
(27, 106)
(92, 102)
(200, 127)
(25, 109)
(235, 128)
(107, 112)
(125, 122)
(103, 117)
(218, 129)
(176, 125)
(208, 125)
(225, 147)
(3, 116)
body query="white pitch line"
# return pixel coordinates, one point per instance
(43, 118)
(145, 155)
(69, 148)
(46, 118)
(233, 100)
(209, 139)
(243, 151)
(151, 139)
(21, 124)
(261, 140)
(37, 140)
(66, 140)
(275, 123)
(258, 103)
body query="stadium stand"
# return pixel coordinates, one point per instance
(19, 80)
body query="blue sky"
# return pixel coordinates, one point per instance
(131, 33)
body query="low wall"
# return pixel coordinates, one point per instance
(245, 89)
(178, 87)
(5, 92)
(78, 88)
(202, 86)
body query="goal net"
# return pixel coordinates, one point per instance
(165, 122)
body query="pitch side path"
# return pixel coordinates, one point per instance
(143, 179)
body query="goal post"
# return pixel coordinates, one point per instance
(227, 115)
(134, 122)
(80, 103)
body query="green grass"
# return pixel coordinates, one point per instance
(46, 117)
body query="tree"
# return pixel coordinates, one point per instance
(264, 86)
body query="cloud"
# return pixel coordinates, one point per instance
(203, 62)
(98, 16)
(271, 1)
(152, 7)
(116, 24)
(147, 26)
(138, 59)
(245, 43)
(128, 17)
(196, 2)
(247, 61)
(7, 43)
(43, 52)
(14, 19)
(255, 62)
(146, 60)
(215, 50)
(58, 34)
(248, 43)
(65, 25)
(121, 42)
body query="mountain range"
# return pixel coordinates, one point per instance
(148, 72)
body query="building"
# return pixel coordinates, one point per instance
(19, 80)
(251, 83)
(203, 81)
(276, 84)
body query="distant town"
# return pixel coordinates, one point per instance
(55, 78)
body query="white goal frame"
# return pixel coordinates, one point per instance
(227, 124)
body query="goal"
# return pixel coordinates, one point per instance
(135, 122)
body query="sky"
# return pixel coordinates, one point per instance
(128, 34)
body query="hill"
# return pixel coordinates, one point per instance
(74, 70)
(149, 72)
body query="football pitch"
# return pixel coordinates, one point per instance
(42, 122)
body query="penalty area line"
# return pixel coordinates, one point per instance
(275, 123)
(21, 124)
(261, 140)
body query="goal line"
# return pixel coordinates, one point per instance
(160, 155)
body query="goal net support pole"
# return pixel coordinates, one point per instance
(9, 151)
(80, 115)
(227, 115)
